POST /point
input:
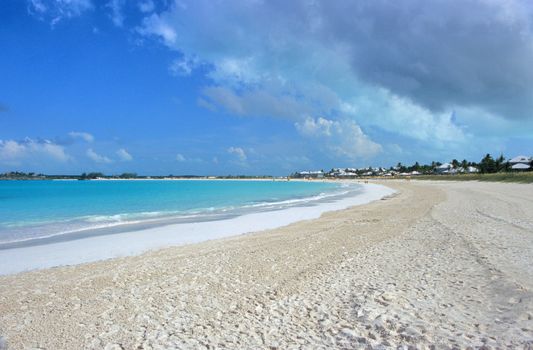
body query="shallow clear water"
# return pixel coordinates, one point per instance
(36, 209)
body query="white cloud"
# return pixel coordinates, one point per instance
(124, 155)
(401, 116)
(30, 149)
(146, 6)
(236, 70)
(38, 6)
(117, 12)
(57, 10)
(51, 149)
(76, 7)
(315, 127)
(11, 150)
(180, 157)
(97, 157)
(342, 138)
(81, 135)
(353, 142)
(183, 66)
(239, 152)
(152, 25)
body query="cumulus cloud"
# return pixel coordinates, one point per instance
(87, 137)
(313, 127)
(404, 67)
(238, 152)
(343, 138)
(403, 117)
(124, 155)
(97, 157)
(11, 150)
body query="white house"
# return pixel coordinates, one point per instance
(310, 174)
(520, 159)
(520, 163)
(444, 168)
(520, 166)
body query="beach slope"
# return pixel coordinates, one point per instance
(446, 264)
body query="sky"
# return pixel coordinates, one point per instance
(258, 87)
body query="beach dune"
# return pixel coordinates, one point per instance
(444, 264)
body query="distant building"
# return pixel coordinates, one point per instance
(342, 173)
(520, 166)
(445, 168)
(521, 163)
(520, 159)
(319, 174)
(467, 170)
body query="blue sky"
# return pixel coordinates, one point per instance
(261, 87)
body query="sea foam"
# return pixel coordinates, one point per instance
(128, 243)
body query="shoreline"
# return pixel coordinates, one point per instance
(135, 239)
(444, 265)
(86, 224)
(141, 222)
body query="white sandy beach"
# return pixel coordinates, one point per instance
(440, 264)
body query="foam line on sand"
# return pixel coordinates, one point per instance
(107, 246)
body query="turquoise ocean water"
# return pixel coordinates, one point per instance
(32, 210)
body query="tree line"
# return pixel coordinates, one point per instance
(486, 165)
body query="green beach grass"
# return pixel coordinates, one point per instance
(525, 177)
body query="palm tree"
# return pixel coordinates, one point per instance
(455, 163)
(501, 164)
(488, 165)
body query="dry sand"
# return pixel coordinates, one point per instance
(443, 265)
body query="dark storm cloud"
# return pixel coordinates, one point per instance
(440, 53)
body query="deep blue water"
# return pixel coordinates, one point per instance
(33, 209)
